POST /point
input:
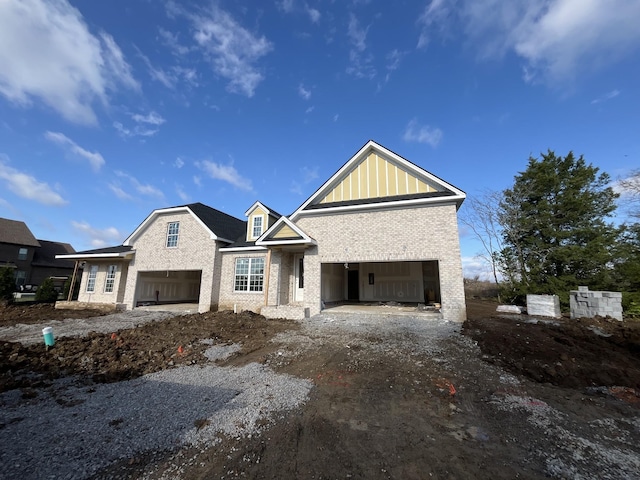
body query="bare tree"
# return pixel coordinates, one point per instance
(630, 192)
(480, 215)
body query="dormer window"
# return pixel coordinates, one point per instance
(257, 226)
(172, 234)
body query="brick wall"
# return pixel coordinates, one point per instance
(411, 234)
(243, 300)
(195, 251)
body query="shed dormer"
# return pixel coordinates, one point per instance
(259, 219)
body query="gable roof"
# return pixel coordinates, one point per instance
(285, 232)
(107, 252)
(45, 256)
(270, 211)
(220, 225)
(17, 233)
(376, 177)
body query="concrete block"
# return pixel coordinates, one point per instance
(509, 309)
(583, 289)
(544, 305)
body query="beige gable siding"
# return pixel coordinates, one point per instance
(286, 232)
(377, 177)
(196, 251)
(258, 211)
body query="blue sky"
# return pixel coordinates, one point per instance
(109, 110)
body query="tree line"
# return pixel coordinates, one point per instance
(554, 230)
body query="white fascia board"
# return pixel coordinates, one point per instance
(459, 195)
(77, 256)
(381, 205)
(253, 207)
(242, 249)
(162, 211)
(301, 241)
(305, 238)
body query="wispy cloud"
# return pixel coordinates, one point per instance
(289, 6)
(184, 196)
(27, 186)
(49, 55)
(119, 192)
(141, 188)
(226, 173)
(557, 40)
(360, 61)
(98, 237)
(94, 158)
(314, 14)
(145, 125)
(422, 134)
(606, 96)
(307, 175)
(179, 163)
(232, 50)
(304, 92)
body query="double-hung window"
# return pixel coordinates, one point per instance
(173, 230)
(111, 279)
(249, 276)
(22, 253)
(91, 279)
(257, 226)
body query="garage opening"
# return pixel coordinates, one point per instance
(415, 282)
(166, 287)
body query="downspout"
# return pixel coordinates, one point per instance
(73, 282)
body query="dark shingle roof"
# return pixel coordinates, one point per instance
(223, 225)
(45, 256)
(16, 232)
(97, 251)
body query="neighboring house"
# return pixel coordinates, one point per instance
(32, 260)
(380, 229)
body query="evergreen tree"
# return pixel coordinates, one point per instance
(7, 284)
(556, 233)
(46, 292)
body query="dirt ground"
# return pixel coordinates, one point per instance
(512, 397)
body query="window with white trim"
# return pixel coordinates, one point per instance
(22, 253)
(249, 276)
(257, 226)
(111, 279)
(173, 230)
(91, 279)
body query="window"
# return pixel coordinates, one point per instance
(21, 276)
(172, 234)
(249, 275)
(257, 226)
(91, 280)
(111, 279)
(22, 253)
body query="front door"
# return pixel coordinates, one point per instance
(298, 289)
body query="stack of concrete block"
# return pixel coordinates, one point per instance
(585, 303)
(544, 305)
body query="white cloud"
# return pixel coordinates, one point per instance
(119, 192)
(182, 194)
(95, 159)
(361, 62)
(336, 117)
(26, 186)
(310, 109)
(606, 96)
(303, 92)
(232, 50)
(226, 173)
(151, 118)
(141, 188)
(179, 163)
(98, 238)
(314, 14)
(422, 134)
(556, 39)
(197, 180)
(48, 54)
(476, 266)
(141, 129)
